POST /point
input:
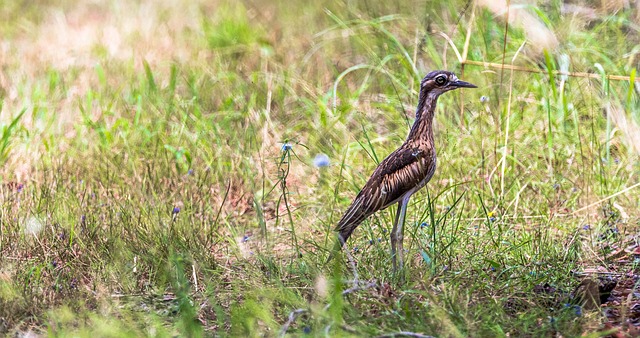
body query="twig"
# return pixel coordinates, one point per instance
(292, 318)
(607, 198)
(357, 287)
(295, 313)
(404, 334)
(353, 289)
(352, 262)
(556, 72)
(604, 273)
(195, 277)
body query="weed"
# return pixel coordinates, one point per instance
(180, 168)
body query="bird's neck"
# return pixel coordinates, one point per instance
(423, 126)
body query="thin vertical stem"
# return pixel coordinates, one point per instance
(504, 45)
(506, 135)
(465, 51)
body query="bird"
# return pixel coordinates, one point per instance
(405, 170)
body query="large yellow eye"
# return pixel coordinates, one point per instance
(441, 80)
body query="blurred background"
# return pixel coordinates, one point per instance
(176, 167)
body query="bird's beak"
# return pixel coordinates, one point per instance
(464, 84)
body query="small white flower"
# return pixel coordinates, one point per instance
(32, 226)
(484, 99)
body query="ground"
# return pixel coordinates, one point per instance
(176, 168)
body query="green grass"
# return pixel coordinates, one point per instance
(146, 192)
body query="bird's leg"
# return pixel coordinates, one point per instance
(394, 239)
(397, 250)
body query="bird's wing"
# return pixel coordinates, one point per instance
(400, 172)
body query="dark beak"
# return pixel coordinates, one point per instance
(464, 84)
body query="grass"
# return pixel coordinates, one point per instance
(147, 190)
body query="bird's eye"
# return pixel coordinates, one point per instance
(441, 80)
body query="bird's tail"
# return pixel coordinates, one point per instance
(350, 220)
(354, 215)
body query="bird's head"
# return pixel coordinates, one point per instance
(441, 81)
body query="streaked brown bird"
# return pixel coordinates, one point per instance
(405, 170)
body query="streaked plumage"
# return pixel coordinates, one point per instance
(405, 170)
